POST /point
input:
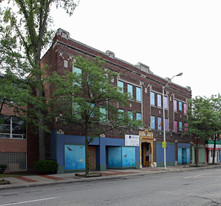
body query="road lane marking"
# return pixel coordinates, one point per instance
(195, 176)
(38, 200)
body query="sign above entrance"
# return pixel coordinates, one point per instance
(146, 134)
(131, 140)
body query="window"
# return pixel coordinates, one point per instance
(138, 116)
(138, 94)
(78, 72)
(103, 114)
(130, 115)
(120, 86)
(166, 124)
(158, 100)
(175, 126)
(152, 122)
(120, 113)
(175, 105)
(65, 64)
(180, 126)
(130, 90)
(185, 127)
(185, 108)
(159, 120)
(92, 110)
(152, 98)
(77, 110)
(12, 127)
(180, 106)
(165, 103)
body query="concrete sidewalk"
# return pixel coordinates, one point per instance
(39, 180)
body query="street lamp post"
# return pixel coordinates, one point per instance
(164, 130)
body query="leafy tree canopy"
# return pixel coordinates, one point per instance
(89, 98)
(25, 30)
(204, 116)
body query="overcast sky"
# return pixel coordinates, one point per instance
(170, 36)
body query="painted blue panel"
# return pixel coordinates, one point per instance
(60, 150)
(128, 157)
(160, 153)
(184, 156)
(102, 152)
(188, 155)
(114, 142)
(102, 143)
(114, 157)
(220, 157)
(53, 145)
(170, 152)
(137, 154)
(183, 145)
(74, 157)
(179, 155)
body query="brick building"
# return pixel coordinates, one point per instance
(113, 149)
(13, 142)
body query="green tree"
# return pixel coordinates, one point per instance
(216, 120)
(88, 98)
(25, 30)
(204, 120)
(198, 124)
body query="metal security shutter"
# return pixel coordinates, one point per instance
(14, 161)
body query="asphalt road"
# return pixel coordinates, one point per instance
(198, 187)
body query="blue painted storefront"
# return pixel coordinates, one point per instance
(183, 153)
(170, 154)
(69, 150)
(121, 157)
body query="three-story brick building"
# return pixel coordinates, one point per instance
(114, 150)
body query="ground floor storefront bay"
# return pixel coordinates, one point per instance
(13, 143)
(132, 151)
(204, 152)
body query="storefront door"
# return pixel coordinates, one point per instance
(184, 156)
(146, 154)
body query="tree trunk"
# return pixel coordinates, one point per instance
(41, 136)
(41, 132)
(197, 152)
(39, 94)
(214, 148)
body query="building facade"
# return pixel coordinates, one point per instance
(13, 142)
(141, 148)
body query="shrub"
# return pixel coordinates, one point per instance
(4, 182)
(2, 168)
(46, 166)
